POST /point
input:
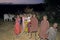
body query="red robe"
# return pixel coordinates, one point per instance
(17, 28)
(29, 25)
(43, 29)
(34, 24)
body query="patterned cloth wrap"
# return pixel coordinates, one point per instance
(26, 26)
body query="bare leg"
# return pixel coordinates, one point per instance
(17, 36)
(43, 39)
(30, 35)
(35, 36)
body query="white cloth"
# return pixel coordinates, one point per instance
(28, 19)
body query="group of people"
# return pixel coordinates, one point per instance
(29, 23)
(47, 32)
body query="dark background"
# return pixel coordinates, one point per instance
(49, 6)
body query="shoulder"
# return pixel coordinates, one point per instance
(47, 21)
(51, 28)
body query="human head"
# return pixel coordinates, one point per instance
(17, 16)
(33, 15)
(44, 17)
(55, 25)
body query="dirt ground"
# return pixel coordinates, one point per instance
(7, 33)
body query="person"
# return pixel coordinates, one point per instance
(29, 22)
(26, 23)
(43, 28)
(17, 27)
(34, 25)
(52, 32)
(23, 25)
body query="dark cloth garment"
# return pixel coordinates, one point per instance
(29, 25)
(21, 20)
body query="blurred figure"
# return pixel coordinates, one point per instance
(52, 32)
(17, 28)
(26, 23)
(29, 22)
(43, 28)
(34, 25)
(23, 25)
(6, 17)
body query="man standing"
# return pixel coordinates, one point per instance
(34, 25)
(43, 28)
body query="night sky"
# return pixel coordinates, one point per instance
(16, 8)
(12, 6)
(53, 2)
